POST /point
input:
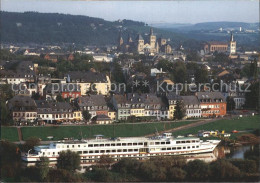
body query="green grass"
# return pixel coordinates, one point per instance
(9, 133)
(120, 130)
(241, 124)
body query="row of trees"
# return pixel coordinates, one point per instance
(162, 169)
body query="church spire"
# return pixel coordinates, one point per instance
(232, 37)
(151, 31)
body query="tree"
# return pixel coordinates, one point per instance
(30, 143)
(180, 72)
(127, 166)
(5, 116)
(101, 175)
(254, 69)
(224, 170)
(59, 98)
(221, 57)
(68, 160)
(201, 75)
(43, 166)
(193, 56)
(197, 170)
(105, 160)
(230, 104)
(252, 97)
(176, 174)
(179, 111)
(86, 115)
(61, 175)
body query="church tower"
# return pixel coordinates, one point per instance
(129, 40)
(140, 43)
(232, 45)
(152, 39)
(120, 40)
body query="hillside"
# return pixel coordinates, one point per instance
(33, 27)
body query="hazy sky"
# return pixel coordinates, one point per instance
(147, 11)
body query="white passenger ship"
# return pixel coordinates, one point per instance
(135, 147)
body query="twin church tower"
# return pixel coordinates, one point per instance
(150, 46)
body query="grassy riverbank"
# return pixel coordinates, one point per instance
(9, 133)
(244, 124)
(117, 130)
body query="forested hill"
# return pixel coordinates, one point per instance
(33, 27)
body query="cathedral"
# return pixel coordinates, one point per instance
(149, 47)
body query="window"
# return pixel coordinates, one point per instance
(96, 145)
(90, 152)
(125, 150)
(102, 151)
(140, 143)
(108, 151)
(97, 151)
(90, 145)
(118, 144)
(85, 152)
(178, 147)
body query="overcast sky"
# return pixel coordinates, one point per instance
(146, 11)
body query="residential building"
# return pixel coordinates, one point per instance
(51, 112)
(94, 104)
(23, 108)
(192, 106)
(212, 104)
(90, 82)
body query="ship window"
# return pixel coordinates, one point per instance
(140, 143)
(78, 145)
(101, 145)
(168, 142)
(58, 152)
(183, 142)
(43, 153)
(157, 143)
(188, 147)
(118, 144)
(108, 151)
(174, 148)
(90, 152)
(162, 142)
(119, 150)
(163, 149)
(130, 150)
(135, 150)
(53, 153)
(107, 144)
(197, 141)
(168, 148)
(79, 152)
(178, 147)
(135, 144)
(113, 150)
(113, 144)
(197, 146)
(97, 151)
(85, 152)
(124, 150)
(177, 142)
(129, 144)
(193, 141)
(67, 146)
(124, 144)
(96, 145)
(184, 147)
(72, 146)
(90, 145)
(102, 151)
(193, 146)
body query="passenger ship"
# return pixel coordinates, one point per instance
(135, 147)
